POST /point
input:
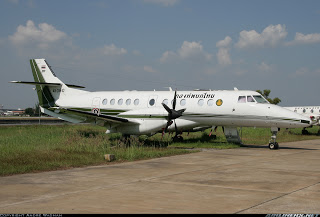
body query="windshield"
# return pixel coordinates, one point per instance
(260, 99)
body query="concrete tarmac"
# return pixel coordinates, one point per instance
(250, 179)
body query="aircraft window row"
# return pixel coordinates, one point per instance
(254, 98)
(183, 102)
(304, 110)
(309, 108)
(120, 102)
(152, 102)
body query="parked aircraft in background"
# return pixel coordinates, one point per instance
(150, 112)
(309, 111)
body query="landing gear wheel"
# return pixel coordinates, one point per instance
(273, 146)
(177, 138)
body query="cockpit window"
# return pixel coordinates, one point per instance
(260, 99)
(250, 99)
(242, 99)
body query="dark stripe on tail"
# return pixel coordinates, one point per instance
(45, 98)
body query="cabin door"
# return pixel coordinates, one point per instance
(95, 107)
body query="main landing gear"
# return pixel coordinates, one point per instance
(177, 138)
(273, 145)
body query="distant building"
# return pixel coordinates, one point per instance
(18, 112)
(11, 112)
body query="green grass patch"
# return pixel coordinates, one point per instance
(261, 136)
(35, 148)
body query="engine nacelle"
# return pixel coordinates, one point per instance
(144, 127)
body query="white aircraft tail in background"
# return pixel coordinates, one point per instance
(309, 111)
(150, 112)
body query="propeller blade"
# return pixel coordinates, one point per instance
(174, 100)
(163, 132)
(181, 111)
(167, 126)
(167, 108)
(172, 113)
(176, 128)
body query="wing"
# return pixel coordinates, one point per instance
(90, 115)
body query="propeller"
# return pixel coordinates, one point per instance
(173, 113)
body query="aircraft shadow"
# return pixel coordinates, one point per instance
(281, 147)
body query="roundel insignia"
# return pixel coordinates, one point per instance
(95, 110)
(219, 102)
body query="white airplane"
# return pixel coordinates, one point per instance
(150, 112)
(309, 111)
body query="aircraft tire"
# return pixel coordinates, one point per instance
(273, 146)
(177, 139)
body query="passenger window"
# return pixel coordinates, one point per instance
(128, 101)
(210, 102)
(165, 101)
(136, 102)
(104, 102)
(250, 99)
(112, 101)
(200, 102)
(120, 101)
(242, 99)
(152, 102)
(183, 102)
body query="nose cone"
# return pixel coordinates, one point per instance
(287, 118)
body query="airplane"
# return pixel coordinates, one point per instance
(309, 111)
(151, 112)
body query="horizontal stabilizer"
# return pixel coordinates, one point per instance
(45, 83)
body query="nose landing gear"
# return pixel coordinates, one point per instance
(273, 145)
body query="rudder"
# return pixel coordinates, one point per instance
(42, 73)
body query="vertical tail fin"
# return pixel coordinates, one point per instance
(42, 73)
(50, 89)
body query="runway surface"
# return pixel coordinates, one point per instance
(250, 179)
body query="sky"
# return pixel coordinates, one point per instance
(155, 44)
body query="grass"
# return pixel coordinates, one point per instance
(261, 136)
(34, 148)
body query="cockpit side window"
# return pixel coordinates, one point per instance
(260, 99)
(242, 99)
(250, 99)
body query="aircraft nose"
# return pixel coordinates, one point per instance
(306, 121)
(291, 118)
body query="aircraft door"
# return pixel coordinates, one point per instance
(95, 107)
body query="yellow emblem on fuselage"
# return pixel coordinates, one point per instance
(219, 102)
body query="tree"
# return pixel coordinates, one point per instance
(36, 110)
(29, 111)
(266, 94)
(32, 111)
